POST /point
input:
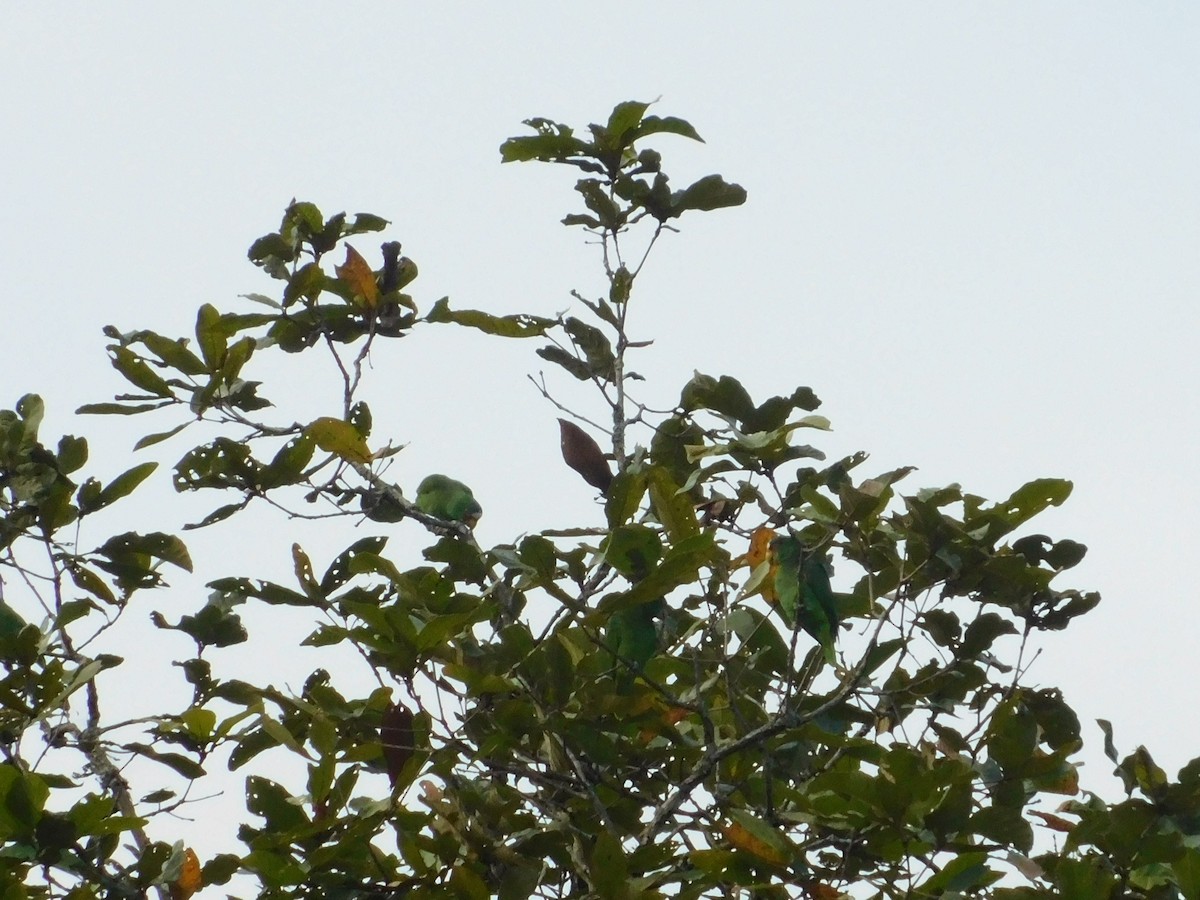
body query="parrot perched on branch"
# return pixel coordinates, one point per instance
(632, 638)
(444, 498)
(803, 592)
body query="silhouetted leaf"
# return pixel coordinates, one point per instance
(398, 740)
(581, 452)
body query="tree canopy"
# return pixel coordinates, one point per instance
(768, 674)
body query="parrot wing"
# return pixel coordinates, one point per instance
(632, 637)
(804, 593)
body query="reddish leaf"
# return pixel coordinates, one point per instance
(818, 891)
(396, 734)
(1058, 823)
(584, 455)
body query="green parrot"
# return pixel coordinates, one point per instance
(11, 621)
(445, 498)
(804, 593)
(632, 638)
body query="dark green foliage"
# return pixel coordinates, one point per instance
(631, 710)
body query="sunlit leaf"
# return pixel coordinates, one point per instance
(340, 438)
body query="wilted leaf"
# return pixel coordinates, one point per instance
(356, 272)
(396, 736)
(581, 452)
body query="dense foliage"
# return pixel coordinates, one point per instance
(769, 674)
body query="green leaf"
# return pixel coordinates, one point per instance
(174, 353)
(552, 143)
(32, 409)
(1110, 749)
(709, 193)
(463, 561)
(89, 581)
(270, 800)
(568, 361)
(513, 326)
(1066, 554)
(664, 125)
(1139, 769)
(342, 569)
(123, 485)
(538, 553)
(983, 632)
(1012, 734)
(287, 467)
(943, 626)
(963, 875)
(624, 496)
(1090, 878)
(151, 439)
(671, 507)
(1187, 873)
(594, 346)
(1004, 825)
(23, 796)
(211, 337)
(724, 395)
(119, 409)
(184, 765)
(72, 453)
(624, 119)
(680, 565)
(1025, 503)
(609, 868)
(366, 222)
(608, 214)
(157, 545)
(633, 550)
(138, 373)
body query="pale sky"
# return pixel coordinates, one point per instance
(971, 228)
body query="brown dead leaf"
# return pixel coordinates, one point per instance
(396, 735)
(581, 452)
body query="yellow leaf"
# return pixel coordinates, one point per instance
(189, 880)
(760, 546)
(757, 838)
(762, 563)
(357, 273)
(340, 438)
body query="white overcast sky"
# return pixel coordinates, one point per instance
(971, 228)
